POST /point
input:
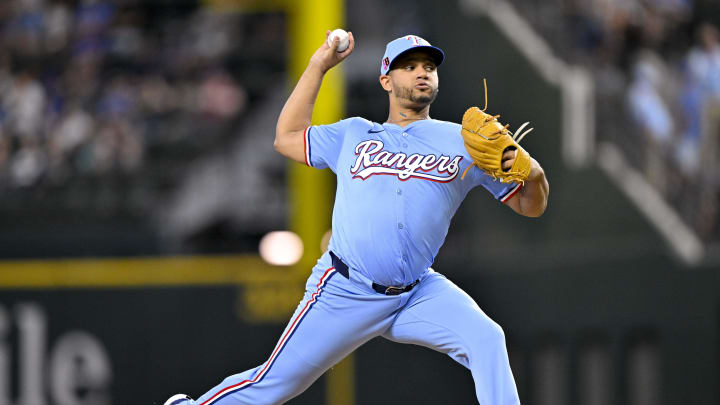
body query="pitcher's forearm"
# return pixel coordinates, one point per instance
(533, 197)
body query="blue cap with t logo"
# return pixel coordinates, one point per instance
(406, 44)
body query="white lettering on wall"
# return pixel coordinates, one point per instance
(76, 371)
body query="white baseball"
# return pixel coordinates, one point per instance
(344, 39)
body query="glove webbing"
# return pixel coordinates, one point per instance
(517, 136)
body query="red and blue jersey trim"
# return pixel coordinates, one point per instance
(306, 137)
(281, 344)
(511, 193)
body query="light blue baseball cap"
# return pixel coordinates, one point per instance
(406, 44)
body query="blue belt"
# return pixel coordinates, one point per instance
(343, 269)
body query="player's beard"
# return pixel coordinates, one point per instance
(422, 99)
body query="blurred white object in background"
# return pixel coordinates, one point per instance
(281, 248)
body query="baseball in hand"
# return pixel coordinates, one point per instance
(344, 39)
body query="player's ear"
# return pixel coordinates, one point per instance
(385, 82)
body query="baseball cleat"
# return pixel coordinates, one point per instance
(179, 399)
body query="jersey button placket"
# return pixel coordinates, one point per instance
(402, 225)
(400, 210)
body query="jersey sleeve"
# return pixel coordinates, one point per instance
(323, 144)
(501, 191)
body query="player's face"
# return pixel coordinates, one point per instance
(414, 79)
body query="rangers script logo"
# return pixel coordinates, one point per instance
(372, 159)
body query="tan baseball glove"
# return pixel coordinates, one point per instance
(486, 140)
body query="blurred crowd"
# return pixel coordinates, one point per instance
(91, 88)
(108, 89)
(656, 65)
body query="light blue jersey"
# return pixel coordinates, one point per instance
(397, 190)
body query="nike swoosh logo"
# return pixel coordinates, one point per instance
(374, 130)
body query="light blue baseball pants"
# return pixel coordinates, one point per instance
(337, 315)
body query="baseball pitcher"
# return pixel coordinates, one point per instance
(399, 184)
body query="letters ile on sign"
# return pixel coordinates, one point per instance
(76, 369)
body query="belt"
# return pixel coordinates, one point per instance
(392, 290)
(343, 269)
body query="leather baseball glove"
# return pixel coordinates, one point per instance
(486, 140)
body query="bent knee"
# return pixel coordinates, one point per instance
(496, 332)
(489, 333)
(480, 342)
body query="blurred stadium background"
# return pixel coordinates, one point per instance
(138, 180)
